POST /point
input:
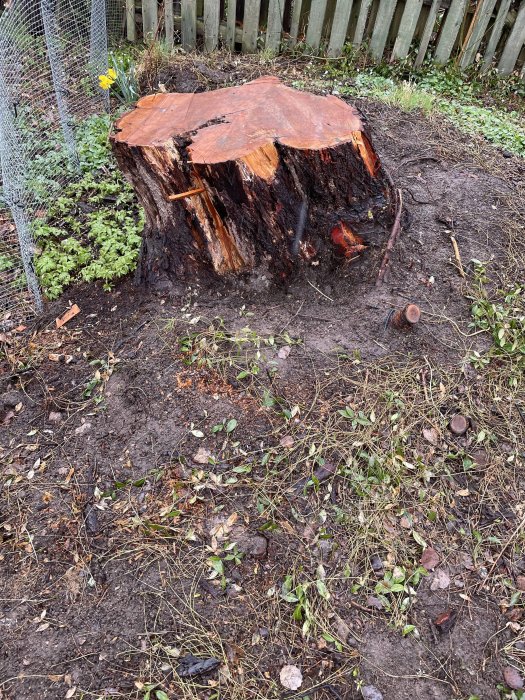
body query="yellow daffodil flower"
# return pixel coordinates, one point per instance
(107, 80)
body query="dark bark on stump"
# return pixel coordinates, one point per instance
(281, 178)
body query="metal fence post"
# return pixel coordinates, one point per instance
(51, 33)
(98, 47)
(12, 164)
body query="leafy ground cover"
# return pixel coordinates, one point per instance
(223, 493)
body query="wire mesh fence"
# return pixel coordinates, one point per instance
(51, 53)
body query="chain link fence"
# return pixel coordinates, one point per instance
(51, 53)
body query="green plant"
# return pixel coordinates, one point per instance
(303, 596)
(125, 85)
(92, 230)
(503, 317)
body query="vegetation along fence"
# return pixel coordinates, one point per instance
(484, 32)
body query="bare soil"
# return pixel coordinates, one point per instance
(109, 518)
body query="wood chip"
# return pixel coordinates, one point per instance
(67, 316)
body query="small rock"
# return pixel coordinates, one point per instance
(512, 678)
(440, 580)
(506, 154)
(55, 417)
(458, 424)
(287, 441)
(370, 692)
(284, 352)
(377, 564)
(431, 435)
(83, 429)
(429, 559)
(256, 547)
(202, 456)
(291, 677)
(10, 399)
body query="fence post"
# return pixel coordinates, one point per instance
(189, 24)
(315, 23)
(450, 30)
(250, 31)
(342, 13)
(477, 30)
(514, 44)
(59, 78)
(211, 24)
(427, 33)
(382, 27)
(131, 27)
(98, 46)
(361, 22)
(15, 193)
(406, 29)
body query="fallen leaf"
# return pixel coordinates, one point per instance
(202, 456)
(67, 316)
(431, 435)
(291, 677)
(463, 492)
(54, 357)
(287, 441)
(370, 692)
(512, 678)
(284, 352)
(440, 580)
(429, 559)
(71, 692)
(520, 583)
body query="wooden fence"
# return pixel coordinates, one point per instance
(485, 32)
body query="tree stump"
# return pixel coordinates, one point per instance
(256, 177)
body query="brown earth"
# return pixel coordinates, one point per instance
(108, 517)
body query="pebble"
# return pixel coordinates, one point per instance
(370, 692)
(55, 417)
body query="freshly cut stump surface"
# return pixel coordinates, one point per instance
(256, 177)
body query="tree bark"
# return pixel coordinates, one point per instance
(261, 177)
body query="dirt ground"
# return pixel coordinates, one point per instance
(170, 462)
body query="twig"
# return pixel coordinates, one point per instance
(318, 290)
(457, 256)
(394, 235)
(363, 608)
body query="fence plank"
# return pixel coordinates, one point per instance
(514, 44)
(427, 33)
(406, 29)
(169, 23)
(275, 25)
(189, 24)
(381, 28)
(478, 27)
(250, 32)
(361, 22)
(131, 28)
(150, 19)
(342, 14)
(212, 10)
(296, 20)
(315, 23)
(449, 33)
(495, 36)
(231, 14)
